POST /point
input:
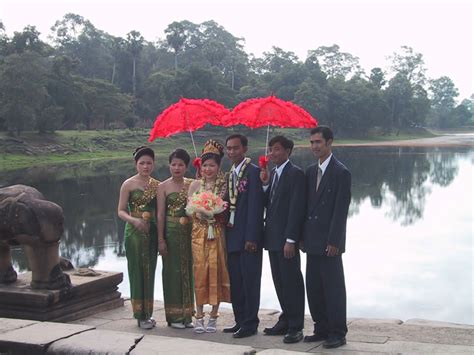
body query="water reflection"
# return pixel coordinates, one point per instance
(393, 183)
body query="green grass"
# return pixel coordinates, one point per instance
(33, 149)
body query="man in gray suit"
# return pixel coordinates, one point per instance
(328, 184)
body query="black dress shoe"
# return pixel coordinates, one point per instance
(293, 337)
(332, 343)
(243, 333)
(276, 330)
(314, 337)
(231, 329)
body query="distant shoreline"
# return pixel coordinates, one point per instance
(452, 140)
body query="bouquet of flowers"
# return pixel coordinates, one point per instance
(207, 205)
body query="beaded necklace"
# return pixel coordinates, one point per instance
(218, 185)
(176, 205)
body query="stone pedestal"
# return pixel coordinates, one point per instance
(88, 295)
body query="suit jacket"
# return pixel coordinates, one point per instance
(285, 214)
(248, 220)
(326, 214)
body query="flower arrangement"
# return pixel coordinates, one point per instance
(206, 204)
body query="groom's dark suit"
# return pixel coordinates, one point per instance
(325, 224)
(245, 268)
(284, 219)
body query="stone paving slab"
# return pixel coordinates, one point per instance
(96, 342)
(9, 324)
(432, 323)
(36, 337)
(151, 345)
(401, 347)
(415, 333)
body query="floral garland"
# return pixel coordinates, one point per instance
(235, 188)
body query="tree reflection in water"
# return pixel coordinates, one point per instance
(397, 178)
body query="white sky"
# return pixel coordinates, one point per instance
(441, 30)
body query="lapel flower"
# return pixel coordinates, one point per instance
(242, 187)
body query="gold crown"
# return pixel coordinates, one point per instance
(212, 146)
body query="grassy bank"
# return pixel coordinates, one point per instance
(33, 149)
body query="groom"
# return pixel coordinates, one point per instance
(244, 237)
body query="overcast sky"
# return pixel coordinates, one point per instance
(441, 30)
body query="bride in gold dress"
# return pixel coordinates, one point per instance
(211, 278)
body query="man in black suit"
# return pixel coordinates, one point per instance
(244, 236)
(328, 184)
(285, 204)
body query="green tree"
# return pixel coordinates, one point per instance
(176, 37)
(104, 104)
(336, 64)
(443, 94)
(22, 90)
(410, 64)
(377, 78)
(135, 43)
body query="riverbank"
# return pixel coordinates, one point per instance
(115, 331)
(32, 149)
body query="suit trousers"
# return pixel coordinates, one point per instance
(326, 293)
(289, 287)
(245, 272)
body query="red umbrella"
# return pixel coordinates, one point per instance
(269, 111)
(187, 115)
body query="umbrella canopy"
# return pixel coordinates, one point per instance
(269, 111)
(187, 115)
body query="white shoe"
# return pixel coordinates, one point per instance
(177, 325)
(145, 324)
(211, 325)
(189, 325)
(199, 326)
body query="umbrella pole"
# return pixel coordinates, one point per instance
(194, 145)
(266, 142)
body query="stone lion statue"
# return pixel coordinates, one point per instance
(28, 219)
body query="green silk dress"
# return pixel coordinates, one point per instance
(141, 251)
(177, 275)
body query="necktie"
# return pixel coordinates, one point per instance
(234, 178)
(274, 187)
(318, 178)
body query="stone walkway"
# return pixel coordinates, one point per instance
(116, 332)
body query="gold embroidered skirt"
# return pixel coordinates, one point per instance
(211, 278)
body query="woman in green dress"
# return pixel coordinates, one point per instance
(137, 207)
(174, 243)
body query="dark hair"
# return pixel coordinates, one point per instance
(285, 142)
(208, 156)
(143, 150)
(325, 131)
(243, 139)
(180, 154)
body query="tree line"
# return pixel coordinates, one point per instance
(85, 78)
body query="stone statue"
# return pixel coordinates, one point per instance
(26, 218)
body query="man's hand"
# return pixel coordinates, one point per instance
(289, 250)
(331, 250)
(162, 247)
(264, 176)
(301, 245)
(250, 247)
